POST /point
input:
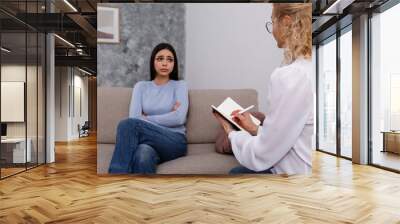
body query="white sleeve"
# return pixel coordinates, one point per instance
(291, 102)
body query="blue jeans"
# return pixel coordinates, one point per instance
(244, 170)
(141, 145)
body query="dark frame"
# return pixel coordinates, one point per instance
(41, 43)
(317, 59)
(334, 37)
(381, 9)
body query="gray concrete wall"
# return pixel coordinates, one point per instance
(142, 26)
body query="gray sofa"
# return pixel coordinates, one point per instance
(202, 129)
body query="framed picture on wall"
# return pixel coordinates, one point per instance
(12, 101)
(107, 25)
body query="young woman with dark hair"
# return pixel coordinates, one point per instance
(155, 130)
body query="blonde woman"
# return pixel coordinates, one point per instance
(282, 145)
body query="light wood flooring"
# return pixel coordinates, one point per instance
(69, 191)
(5, 172)
(387, 159)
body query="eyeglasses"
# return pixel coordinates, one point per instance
(268, 26)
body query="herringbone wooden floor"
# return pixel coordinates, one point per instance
(69, 191)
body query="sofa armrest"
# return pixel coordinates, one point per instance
(112, 107)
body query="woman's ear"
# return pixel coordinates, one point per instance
(286, 20)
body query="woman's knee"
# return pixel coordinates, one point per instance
(146, 154)
(128, 123)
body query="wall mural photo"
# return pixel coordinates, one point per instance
(206, 89)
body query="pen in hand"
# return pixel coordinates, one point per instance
(244, 110)
(245, 120)
(247, 109)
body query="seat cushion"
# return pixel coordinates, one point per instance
(195, 149)
(113, 106)
(207, 163)
(200, 159)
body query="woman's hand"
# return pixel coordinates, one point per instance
(225, 125)
(176, 106)
(244, 120)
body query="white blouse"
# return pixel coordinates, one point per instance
(284, 141)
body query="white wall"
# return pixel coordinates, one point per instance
(80, 83)
(68, 82)
(62, 101)
(17, 73)
(228, 47)
(33, 126)
(13, 101)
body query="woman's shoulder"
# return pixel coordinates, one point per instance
(300, 67)
(141, 84)
(293, 74)
(179, 83)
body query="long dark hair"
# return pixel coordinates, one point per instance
(159, 47)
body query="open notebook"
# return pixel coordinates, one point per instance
(225, 110)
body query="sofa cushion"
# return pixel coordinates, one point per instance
(195, 149)
(203, 163)
(112, 107)
(104, 155)
(200, 159)
(201, 124)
